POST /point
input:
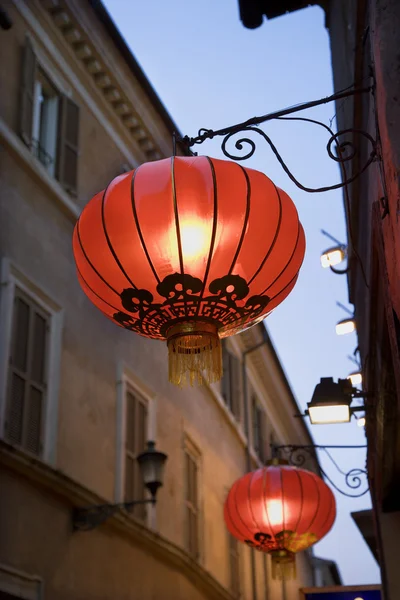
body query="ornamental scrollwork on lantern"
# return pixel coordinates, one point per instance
(183, 301)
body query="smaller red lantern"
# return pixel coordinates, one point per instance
(281, 510)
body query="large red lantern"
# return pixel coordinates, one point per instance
(191, 250)
(281, 510)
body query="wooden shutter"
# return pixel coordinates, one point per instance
(27, 92)
(27, 375)
(67, 160)
(236, 387)
(225, 382)
(135, 443)
(263, 436)
(192, 525)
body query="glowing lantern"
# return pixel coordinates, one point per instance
(280, 510)
(191, 250)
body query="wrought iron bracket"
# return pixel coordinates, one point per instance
(355, 479)
(345, 149)
(86, 519)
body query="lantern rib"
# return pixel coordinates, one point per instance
(318, 501)
(232, 523)
(245, 222)
(302, 499)
(213, 232)
(238, 512)
(275, 237)
(282, 500)
(265, 502)
(177, 226)
(288, 262)
(328, 517)
(138, 224)
(250, 503)
(110, 246)
(93, 292)
(90, 262)
(282, 290)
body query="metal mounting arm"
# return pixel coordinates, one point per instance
(86, 519)
(345, 149)
(354, 479)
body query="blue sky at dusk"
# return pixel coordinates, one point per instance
(211, 72)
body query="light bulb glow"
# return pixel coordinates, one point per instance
(355, 378)
(194, 239)
(329, 413)
(332, 257)
(361, 421)
(345, 326)
(275, 512)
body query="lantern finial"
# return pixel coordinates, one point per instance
(194, 352)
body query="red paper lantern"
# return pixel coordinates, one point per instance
(191, 250)
(280, 510)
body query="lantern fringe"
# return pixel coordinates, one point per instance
(283, 565)
(194, 356)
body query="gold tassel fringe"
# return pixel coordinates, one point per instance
(194, 353)
(283, 564)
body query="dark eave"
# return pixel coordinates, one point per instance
(252, 12)
(365, 523)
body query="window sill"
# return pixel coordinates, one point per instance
(19, 151)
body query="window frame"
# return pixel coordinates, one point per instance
(11, 278)
(191, 452)
(261, 426)
(57, 168)
(127, 380)
(232, 400)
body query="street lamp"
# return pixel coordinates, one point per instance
(333, 256)
(151, 464)
(330, 402)
(345, 326)
(355, 378)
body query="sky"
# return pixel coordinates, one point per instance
(209, 71)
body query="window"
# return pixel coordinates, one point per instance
(49, 123)
(30, 351)
(231, 381)
(135, 443)
(259, 428)
(27, 380)
(234, 566)
(46, 106)
(192, 502)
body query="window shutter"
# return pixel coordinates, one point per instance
(236, 388)
(225, 387)
(27, 374)
(27, 92)
(263, 437)
(67, 162)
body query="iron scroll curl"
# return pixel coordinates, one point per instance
(356, 479)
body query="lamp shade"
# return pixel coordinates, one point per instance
(152, 464)
(281, 510)
(330, 402)
(189, 250)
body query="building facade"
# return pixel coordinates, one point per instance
(79, 397)
(365, 55)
